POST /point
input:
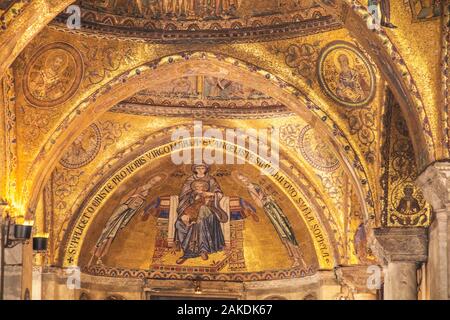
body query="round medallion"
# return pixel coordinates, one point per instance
(53, 75)
(315, 151)
(406, 200)
(84, 149)
(346, 75)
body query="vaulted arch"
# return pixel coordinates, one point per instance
(153, 74)
(310, 207)
(35, 15)
(87, 116)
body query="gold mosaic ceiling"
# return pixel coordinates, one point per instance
(192, 10)
(312, 64)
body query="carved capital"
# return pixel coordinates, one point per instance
(435, 185)
(403, 244)
(354, 277)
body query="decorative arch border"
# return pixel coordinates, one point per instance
(21, 22)
(13, 11)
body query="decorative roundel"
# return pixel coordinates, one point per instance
(53, 75)
(315, 151)
(346, 75)
(407, 200)
(84, 149)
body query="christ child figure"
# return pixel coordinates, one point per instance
(202, 199)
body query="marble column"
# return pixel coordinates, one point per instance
(435, 185)
(36, 293)
(404, 250)
(356, 282)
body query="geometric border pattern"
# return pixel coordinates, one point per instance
(156, 274)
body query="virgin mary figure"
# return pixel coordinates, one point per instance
(198, 229)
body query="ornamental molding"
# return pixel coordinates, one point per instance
(233, 35)
(113, 272)
(203, 112)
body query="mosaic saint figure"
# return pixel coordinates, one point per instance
(385, 8)
(82, 148)
(198, 231)
(189, 7)
(148, 7)
(223, 88)
(220, 6)
(213, 87)
(140, 5)
(408, 204)
(125, 6)
(351, 86)
(166, 6)
(276, 216)
(129, 206)
(230, 6)
(322, 150)
(177, 7)
(426, 9)
(182, 86)
(50, 82)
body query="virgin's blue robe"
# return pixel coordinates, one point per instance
(205, 236)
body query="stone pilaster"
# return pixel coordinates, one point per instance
(435, 185)
(404, 250)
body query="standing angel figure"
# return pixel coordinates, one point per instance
(130, 205)
(277, 217)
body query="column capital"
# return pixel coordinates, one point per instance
(435, 184)
(355, 278)
(402, 244)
